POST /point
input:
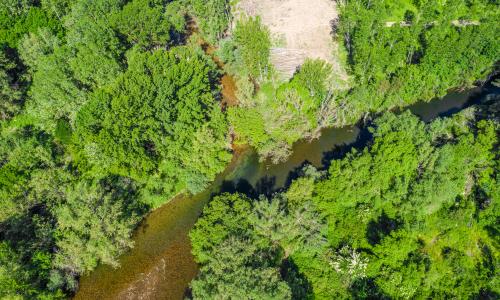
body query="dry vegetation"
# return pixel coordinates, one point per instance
(301, 29)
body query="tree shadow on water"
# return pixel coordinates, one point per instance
(265, 185)
(340, 151)
(295, 173)
(241, 186)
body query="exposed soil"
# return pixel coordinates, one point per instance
(302, 29)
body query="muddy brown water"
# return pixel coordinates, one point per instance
(228, 91)
(160, 266)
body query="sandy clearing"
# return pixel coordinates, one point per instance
(304, 27)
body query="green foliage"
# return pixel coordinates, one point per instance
(212, 17)
(94, 226)
(15, 21)
(44, 207)
(16, 279)
(27, 158)
(391, 64)
(145, 23)
(57, 8)
(11, 86)
(103, 115)
(411, 215)
(35, 45)
(279, 116)
(227, 215)
(243, 244)
(239, 269)
(291, 230)
(315, 76)
(394, 64)
(253, 44)
(249, 124)
(55, 94)
(80, 105)
(96, 49)
(233, 264)
(301, 189)
(30, 182)
(11, 276)
(164, 119)
(409, 198)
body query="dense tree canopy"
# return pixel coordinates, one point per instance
(148, 23)
(244, 247)
(94, 224)
(415, 186)
(105, 113)
(394, 47)
(11, 85)
(411, 215)
(108, 109)
(151, 119)
(18, 18)
(212, 16)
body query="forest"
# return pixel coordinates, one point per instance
(412, 215)
(110, 108)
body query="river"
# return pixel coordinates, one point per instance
(160, 266)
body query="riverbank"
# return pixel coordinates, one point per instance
(161, 266)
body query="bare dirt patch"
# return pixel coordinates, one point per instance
(302, 27)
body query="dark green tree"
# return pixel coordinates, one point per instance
(150, 121)
(12, 86)
(146, 24)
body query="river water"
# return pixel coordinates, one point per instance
(160, 266)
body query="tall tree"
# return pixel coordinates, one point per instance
(162, 116)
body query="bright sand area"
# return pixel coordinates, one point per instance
(300, 28)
